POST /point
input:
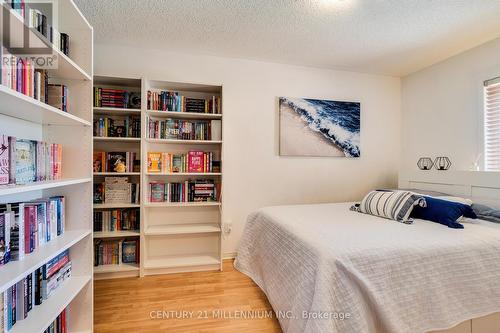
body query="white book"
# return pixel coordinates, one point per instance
(216, 127)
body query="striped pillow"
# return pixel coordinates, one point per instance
(394, 205)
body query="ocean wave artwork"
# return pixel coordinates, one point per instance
(313, 127)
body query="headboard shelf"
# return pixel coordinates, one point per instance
(478, 184)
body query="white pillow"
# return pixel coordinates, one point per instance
(393, 205)
(464, 201)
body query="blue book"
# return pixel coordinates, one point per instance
(129, 252)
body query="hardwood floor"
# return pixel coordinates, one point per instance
(211, 301)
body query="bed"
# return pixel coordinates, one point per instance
(325, 268)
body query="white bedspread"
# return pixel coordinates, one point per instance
(388, 276)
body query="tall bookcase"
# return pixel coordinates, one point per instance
(24, 117)
(180, 236)
(114, 144)
(174, 236)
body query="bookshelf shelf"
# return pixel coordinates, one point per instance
(116, 206)
(183, 115)
(181, 204)
(43, 315)
(181, 229)
(182, 261)
(116, 111)
(17, 105)
(185, 142)
(194, 174)
(37, 186)
(117, 173)
(112, 139)
(116, 268)
(16, 270)
(66, 67)
(116, 234)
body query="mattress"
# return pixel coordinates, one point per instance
(325, 268)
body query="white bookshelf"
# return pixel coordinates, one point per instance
(174, 236)
(179, 236)
(26, 118)
(109, 144)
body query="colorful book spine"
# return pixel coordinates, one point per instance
(4, 159)
(189, 191)
(172, 101)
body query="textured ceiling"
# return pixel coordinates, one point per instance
(393, 37)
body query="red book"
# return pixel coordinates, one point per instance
(29, 228)
(195, 161)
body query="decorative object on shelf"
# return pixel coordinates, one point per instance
(475, 165)
(313, 127)
(134, 100)
(442, 163)
(425, 163)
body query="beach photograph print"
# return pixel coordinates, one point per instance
(313, 127)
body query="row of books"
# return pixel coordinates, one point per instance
(26, 161)
(26, 226)
(116, 98)
(20, 299)
(117, 127)
(173, 101)
(189, 191)
(193, 161)
(184, 129)
(19, 6)
(116, 252)
(116, 190)
(116, 220)
(116, 162)
(20, 75)
(37, 20)
(59, 325)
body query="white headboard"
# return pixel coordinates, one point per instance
(461, 183)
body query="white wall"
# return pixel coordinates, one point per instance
(442, 107)
(254, 174)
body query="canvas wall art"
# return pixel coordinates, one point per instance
(313, 127)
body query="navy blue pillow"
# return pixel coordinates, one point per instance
(443, 212)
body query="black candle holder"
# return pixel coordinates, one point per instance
(442, 163)
(425, 163)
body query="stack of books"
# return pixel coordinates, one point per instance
(20, 299)
(59, 325)
(193, 161)
(116, 162)
(189, 191)
(18, 5)
(58, 96)
(38, 21)
(116, 252)
(116, 220)
(174, 102)
(117, 127)
(19, 74)
(184, 130)
(111, 98)
(26, 161)
(116, 190)
(26, 226)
